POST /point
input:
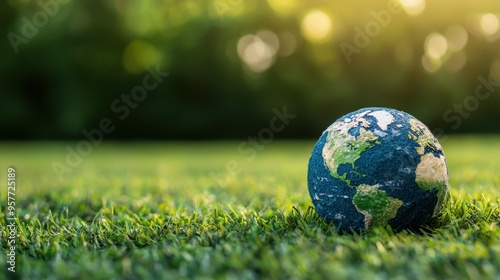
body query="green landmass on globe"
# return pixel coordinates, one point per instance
(379, 153)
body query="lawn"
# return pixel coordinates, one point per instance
(173, 211)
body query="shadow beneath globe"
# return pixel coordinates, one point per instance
(311, 220)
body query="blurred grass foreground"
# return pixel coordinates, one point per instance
(64, 63)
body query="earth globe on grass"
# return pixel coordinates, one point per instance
(376, 167)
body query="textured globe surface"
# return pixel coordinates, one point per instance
(377, 167)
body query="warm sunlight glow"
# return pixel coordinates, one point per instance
(283, 7)
(269, 38)
(456, 37)
(430, 65)
(435, 46)
(316, 26)
(413, 7)
(489, 24)
(258, 51)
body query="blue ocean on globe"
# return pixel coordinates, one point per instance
(376, 167)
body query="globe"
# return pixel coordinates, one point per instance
(377, 167)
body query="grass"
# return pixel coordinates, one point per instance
(154, 211)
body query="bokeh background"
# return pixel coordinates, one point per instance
(230, 62)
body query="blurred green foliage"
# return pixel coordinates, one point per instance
(75, 58)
